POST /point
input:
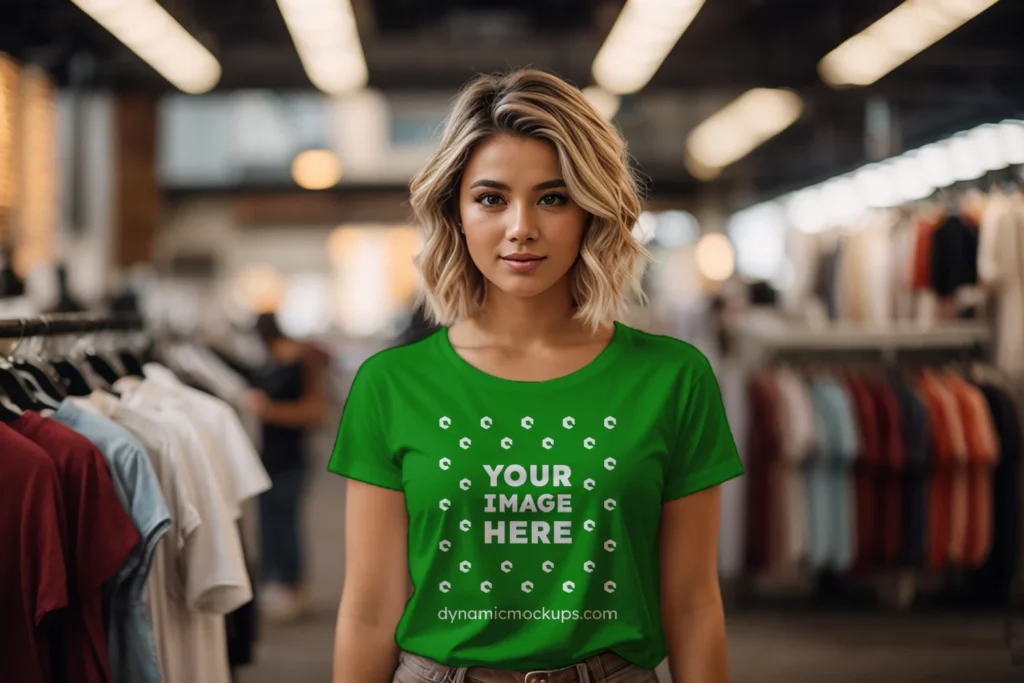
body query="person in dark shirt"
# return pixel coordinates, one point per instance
(289, 398)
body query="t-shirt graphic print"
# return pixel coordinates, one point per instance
(523, 515)
(534, 507)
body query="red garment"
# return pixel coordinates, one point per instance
(941, 466)
(100, 535)
(890, 421)
(764, 448)
(865, 473)
(921, 269)
(32, 573)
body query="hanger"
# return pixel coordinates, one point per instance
(69, 378)
(38, 375)
(128, 359)
(72, 377)
(102, 367)
(132, 366)
(19, 390)
(103, 364)
(8, 411)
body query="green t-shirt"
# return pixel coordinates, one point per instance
(534, 506)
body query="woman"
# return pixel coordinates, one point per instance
(546, 477)
(289, 398)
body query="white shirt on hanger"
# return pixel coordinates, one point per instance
(247, 472)
(199, 572)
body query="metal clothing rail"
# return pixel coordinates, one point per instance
(68, 323)
(769, 336)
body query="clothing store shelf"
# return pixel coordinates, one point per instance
(774, 333)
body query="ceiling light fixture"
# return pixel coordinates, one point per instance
(316, 169)
(739, 128)
(327, 40)
(643, 35)
(151, 33)
(716, 259)
(894, 39)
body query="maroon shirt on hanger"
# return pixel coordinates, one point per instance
(765, 445)
(33, 580)
(893, 456)
(100, 535)
(866, 473)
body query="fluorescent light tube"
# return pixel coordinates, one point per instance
(641, 38)
(894, 39)
(327, 40)
(151, 33)
(739, 128)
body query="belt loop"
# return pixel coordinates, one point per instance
(598, 667)
(582, 674)
(460, 674)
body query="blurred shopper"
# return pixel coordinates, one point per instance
(289, 399)
(547, 476)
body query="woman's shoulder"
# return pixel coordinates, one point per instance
(400, 358)
(663, 350)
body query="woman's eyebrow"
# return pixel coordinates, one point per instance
(494, 184)
(550, 184)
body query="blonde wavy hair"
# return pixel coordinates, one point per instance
(594, 163)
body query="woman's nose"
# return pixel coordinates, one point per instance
(523, 226)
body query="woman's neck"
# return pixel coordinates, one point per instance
(521, 322)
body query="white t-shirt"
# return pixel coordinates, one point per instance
(199, 573)
(248, 474)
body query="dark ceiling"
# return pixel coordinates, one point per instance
(975, 75)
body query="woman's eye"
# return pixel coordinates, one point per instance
(553, 200)
(489, 199)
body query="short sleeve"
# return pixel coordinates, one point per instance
(105, 533)
(704, 453)
(361, 450)
(45, 540)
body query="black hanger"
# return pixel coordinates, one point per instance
(21, 391)
(72, 378)
(132, 366)
(46, 379)
(17, 390)
(40, 395)
(102, 368)
(72, 381)
(8, 411)
(42, 379)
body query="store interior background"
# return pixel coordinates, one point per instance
(216, 161)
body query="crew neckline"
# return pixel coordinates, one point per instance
(612, 350)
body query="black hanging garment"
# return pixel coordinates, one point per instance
(993, 581)
(242, 625)
(916, 481)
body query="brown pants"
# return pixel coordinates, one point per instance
(607, 667)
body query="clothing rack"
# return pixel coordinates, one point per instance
(67, 324)
(768, 337)
(103, 415)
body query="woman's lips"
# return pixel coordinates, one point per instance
(523, 265)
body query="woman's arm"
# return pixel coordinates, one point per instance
(691, 600)
(376, 585)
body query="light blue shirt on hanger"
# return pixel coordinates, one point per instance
(133, 657)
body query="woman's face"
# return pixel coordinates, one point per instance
(522, 228)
